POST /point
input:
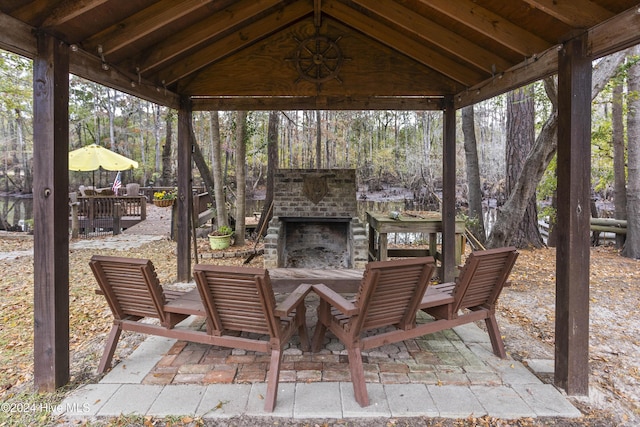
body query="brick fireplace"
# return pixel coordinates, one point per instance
(315, 221)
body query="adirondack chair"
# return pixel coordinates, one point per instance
(473, 296)
(133, 293)
(241, 299)
(234, 299)
(389, 296)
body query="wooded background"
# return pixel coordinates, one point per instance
(505, 153)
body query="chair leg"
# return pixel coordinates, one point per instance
(495, 337)
(304, 337)
(318, 337)
(357, 376)
(110, 348)
(272, 380)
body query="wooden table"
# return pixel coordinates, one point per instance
(380, 224)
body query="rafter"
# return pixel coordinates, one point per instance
(490, 24)
(233, 42)
(577, 13)
(203, 32)
(70, 10)
(427, 30)
(141, 24)
(409, 47)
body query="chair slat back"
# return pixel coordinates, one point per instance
(391, 291)
(130, 286)
(237, 298)
(483, 277)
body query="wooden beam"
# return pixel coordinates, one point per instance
(530, 70)
(576, 13)
(397, 41)
(449, 192)
(606, 37)
(184, 190)
(92, 68)
(51, 213)
(202, 32)
(491, 25)
(311, 103)
(233, 42)
(17, 37)
(573, 230)
(429, 31)
(141, 24)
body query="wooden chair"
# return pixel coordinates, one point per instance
(236, 299)
(241, 299)
(133, 292)
(389, 295)
(473, 296)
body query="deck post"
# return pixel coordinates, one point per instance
(183, 237)
(51, 213)
(573, 239)
(449, 192)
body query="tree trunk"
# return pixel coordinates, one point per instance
(520, 139)
(166, 151)
(202, 166)
(632, 244)
(272, 166)
(241, 177)
(619, 175)
(512, 212)
(473, 174)
(218, 184)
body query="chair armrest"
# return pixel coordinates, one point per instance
(335, 299)
(435, 297)
(292, 301)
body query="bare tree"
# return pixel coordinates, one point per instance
(632, 243)
(241, 180)
(619, 175)
(473, 174)
(218, 183)
(543, 150)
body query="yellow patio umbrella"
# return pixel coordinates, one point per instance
(93, 156)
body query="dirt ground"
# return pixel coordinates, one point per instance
(526, 317)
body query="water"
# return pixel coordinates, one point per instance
(16, 213)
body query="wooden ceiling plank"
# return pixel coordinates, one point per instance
(233, 42)
(606, 37)
(69, 10)
(401, 43)
(576, 13)
(203, 31)
(31, 10)
(141, 24)
(438, 35)
(491, 25)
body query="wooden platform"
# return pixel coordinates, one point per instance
(340, 280)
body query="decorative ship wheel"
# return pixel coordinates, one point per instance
(318, 59)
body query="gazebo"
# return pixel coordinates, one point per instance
(313, 54)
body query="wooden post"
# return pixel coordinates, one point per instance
(51, 213)
(183, 237)
(573, 240)
(117, 217)
(449, 192)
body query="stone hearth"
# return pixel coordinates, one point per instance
(315, 222)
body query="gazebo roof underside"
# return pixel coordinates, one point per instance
(325, 54)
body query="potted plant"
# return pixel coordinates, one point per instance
(220, 238)
(164, 198)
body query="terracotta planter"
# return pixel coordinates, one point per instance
(163, 203)
(219, 242)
